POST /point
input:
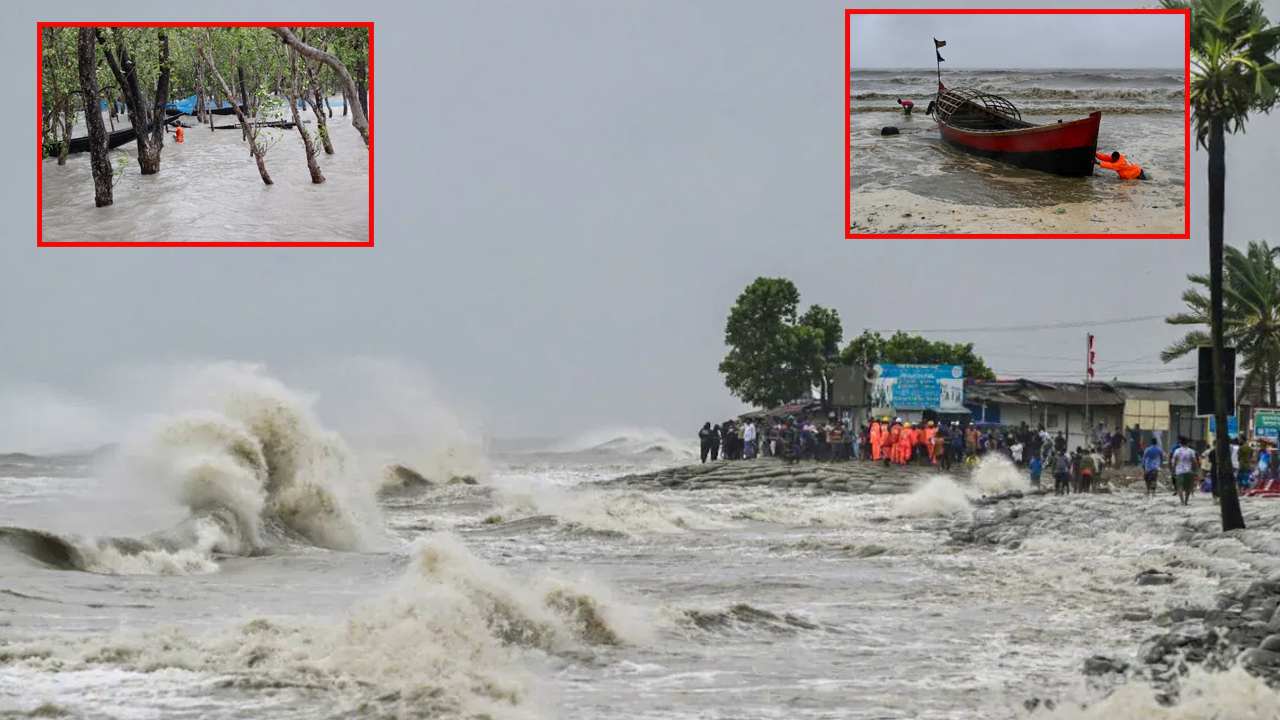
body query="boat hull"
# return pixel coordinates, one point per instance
(81, 144)
(1066, 149)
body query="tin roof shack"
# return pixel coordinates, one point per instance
(1169, 407)
(1059, 407)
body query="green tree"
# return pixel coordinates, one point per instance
(819, 335)
(1233, 74)
(1251, 317)
(903, 349)
(775, 356)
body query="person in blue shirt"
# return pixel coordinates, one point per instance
(1036, 467)
(1152, 459)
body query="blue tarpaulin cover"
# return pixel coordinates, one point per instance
(188, 106)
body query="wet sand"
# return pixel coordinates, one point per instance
(877, 210)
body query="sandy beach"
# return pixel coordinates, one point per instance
(877, 210)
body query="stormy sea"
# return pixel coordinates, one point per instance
(236, 556)
(1142, 117)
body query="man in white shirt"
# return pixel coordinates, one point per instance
(749, 439)
(1184, 467)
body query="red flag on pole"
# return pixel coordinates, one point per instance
(1092, 357)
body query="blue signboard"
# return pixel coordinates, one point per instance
(1266, 423)
(1233, 426)
(918, 387)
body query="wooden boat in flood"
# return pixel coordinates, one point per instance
(81, 144)
(989, 126)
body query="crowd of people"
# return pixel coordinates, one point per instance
(1034, 449)
(1255, 467)
(891, 441)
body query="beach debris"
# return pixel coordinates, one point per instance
(906, 215)
(889, 130)
(1060, 211)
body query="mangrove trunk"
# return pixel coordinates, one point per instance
(93, 120)
(126, 75)
(244, 122)
(358, 119)
(318, 106)
(312, 166)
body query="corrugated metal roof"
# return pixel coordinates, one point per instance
(1028, 392)
(1180, 394)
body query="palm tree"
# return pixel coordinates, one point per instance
(1234, 73)
(1251, 317)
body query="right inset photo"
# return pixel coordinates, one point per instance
(1005, 123)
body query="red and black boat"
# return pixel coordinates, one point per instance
(989, 126)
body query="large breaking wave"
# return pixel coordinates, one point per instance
(252, 466)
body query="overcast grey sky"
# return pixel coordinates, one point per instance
(570, 197)
(1018, 41)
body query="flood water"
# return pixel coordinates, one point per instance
(209, 190)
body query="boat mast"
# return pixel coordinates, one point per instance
(937, 45)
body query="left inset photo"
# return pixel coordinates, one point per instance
(179, 134)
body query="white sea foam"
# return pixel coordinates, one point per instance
(453, 636)
(608, 511)
(939, 496)
(254, 447)
(1231, 695)
(944, 496)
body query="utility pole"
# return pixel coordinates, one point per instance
(1088, 375)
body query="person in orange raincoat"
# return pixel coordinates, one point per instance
(931, 432)
(905, 441)
(874, 437)
(888, 454)
(1115, 161)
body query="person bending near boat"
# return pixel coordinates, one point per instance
(907, 105)
(1115, 161)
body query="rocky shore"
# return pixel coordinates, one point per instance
(853, 477)
(1242, 629)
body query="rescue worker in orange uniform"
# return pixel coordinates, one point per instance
(1115, 161)
(931, 432)
(874, 437)
(177, 132)
(905, 441)
(888, 454)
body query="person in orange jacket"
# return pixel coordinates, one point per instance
(874, 437)
(888, 454)
(930, 432)
(1115, 161)
(905, 442)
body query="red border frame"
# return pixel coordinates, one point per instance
(848, 124)
(40, 130)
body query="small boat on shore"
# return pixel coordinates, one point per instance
(989, 126)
